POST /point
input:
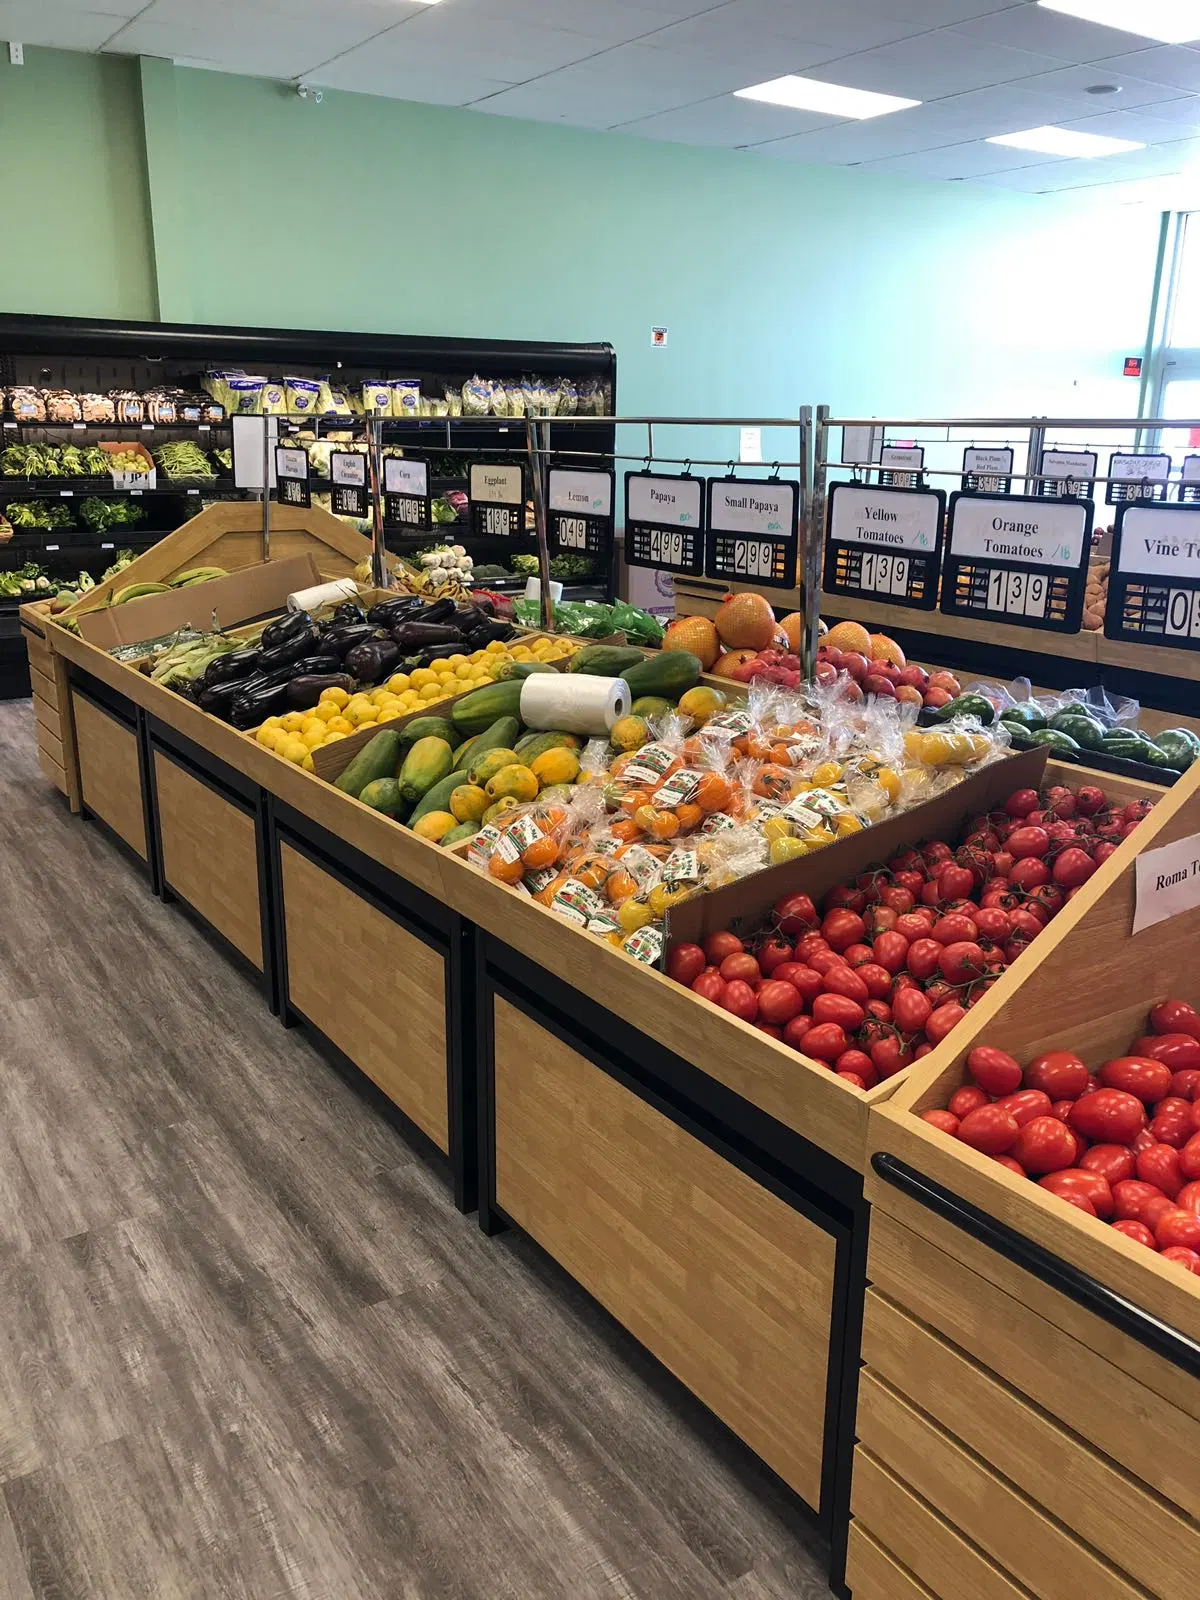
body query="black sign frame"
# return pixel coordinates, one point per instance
(973, 481)
(1120, 584)
(1189, 493)
(348, 499)
(638, 533)
(398, 506)
(485, 512)
(1114, 497)
(722, 543)
(598, 533)
(1075, 578)
(888, 475)
(931, 563)
(1048, 488)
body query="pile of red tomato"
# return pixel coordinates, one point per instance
(1121, 1143)
(894, 960)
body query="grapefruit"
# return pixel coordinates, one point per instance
(726, 665)
(697, 635)
(850, 636)
(746, 622)
(793, 628)
(885, 649)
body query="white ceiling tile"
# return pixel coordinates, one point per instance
(1003, 108)
(971, 160)
(1142, 126)
(438, 32)
(582, 98)
(1033, 27)
(1076, 81)
(32, 23)
(725, 121)
(677, 79)
(823, 30)
(848, 143)
(264, 39)
(933, 64)
(1168, 63)
(938, 13)
(615, 21)
(1042, 180)
(362, 73)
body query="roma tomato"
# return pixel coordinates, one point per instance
(1089, 799)
(923, 957)
(795, 914)
(845, 898)
(879, 919)
(858, 955)
(844, 980)
(1026, 843)
(778, 1002)
(995, 1071)
(1137, 1231)
(942, 1020)
(1149, 1080)
(961, 962)
(1178, 1227)
(1172, 1127)
(1061, 1074)
(769, 1029)
(994, 924)
(740, 999)
(822, 960)
(989, 1129)
(795, 1031)
(879, 1009)
(1022, 803)
(825, 1041)
(1175, 1016)
(890, 1056)
(807, 983)
(915, 925)
(1073, 868)
(839, 1008)
(1010, 1165)
(1110, 1116)
(968, 1098)
(877, 979)
(809, 944)
(842, 928)
(1179, 1051)
(859, 1063)
(685, 963)
(911, 1010)
(1189, 1198)
(852, 1078)
(941, 1119)
(1185, 1084)
(1078, 1180)
(1025, 1104)
(953, 928)
(719, 945)
(890, 950)
(1044, 1144)
(1182, 1257)
(1113, 1162)
(898, 898)
(955, 882)
(1029, 873)
(774, 953)
(709, 984)
(740, 965)
(1160, 1166)
(1189, 1159)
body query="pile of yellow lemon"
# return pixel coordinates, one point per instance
(296, 735)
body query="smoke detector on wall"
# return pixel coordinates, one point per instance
(307, 92)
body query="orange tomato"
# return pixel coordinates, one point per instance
(714, 793)
(627, 831)
(773, 783)
(553, 817)
(694, 751)
(690, 816)
(506, 871)
(593, 871)
(780, 755)
(644, 817)
(545, 896)
(664, 826)
(541, 853)
(620, 887)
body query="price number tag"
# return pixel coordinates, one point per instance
(497, 492)
(884, 544)
(900, 466)
(664, 523)
(291, 477)
(1065, 474)
(580, 511)
(1017, 559)
(348, 483)
(988, 471)
(1154, 581)
(407, 500)
(1137, 478)
(753, 531)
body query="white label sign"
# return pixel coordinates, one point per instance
(665, 502)
(1068, 464)
(135, 480)
(1138, 469)
(987, 463)
(1017, 530)
(750, 448)
(885, 519)
(580, 493)
(405, 477)
(347, 468)
(1164, 540)
(752, 508)
(1191, 469)
(862, 445)
(496, 485)
(291, 463)
(1168, 882)
(894, 457)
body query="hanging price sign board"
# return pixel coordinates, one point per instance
(1154, 581)
(407, 502)
(988, 471)
(900, 466)
(1017, 559)
(752, 531)
(1068, 471)
(291, 477)
(664, 523)
(497, 492)
(579, 506)
(348, 483)
(1138, 478)
(1189, 486)
(861, 446)
(884, 544)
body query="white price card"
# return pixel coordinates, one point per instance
(135, 480)
(665, 502)
(348, 467)
(1168, 882)
(291, 463)
(1067, 466)
(580, 493)
(1160, 541)
(885, 519)
(861, 445)
(1136, 469)
(753, 508)
(1018, 530)
(989, 470)
(497, 485)
(404, 476)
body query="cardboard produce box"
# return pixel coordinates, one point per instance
(241, 597)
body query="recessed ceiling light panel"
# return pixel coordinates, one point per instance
(1168, 21)
(828, 99)
(1066, 142)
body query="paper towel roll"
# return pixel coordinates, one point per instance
(574, 702)
(325, 594)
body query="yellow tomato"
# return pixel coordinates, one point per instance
(421, 678)
(828, 772)
(337, 697)
(397, 683)
(433, 691)
(293, 722)
(889, 782)
(341, 725)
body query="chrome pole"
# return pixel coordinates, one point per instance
(379, 567)
(266, 491)
(814, 535)
(536, 446)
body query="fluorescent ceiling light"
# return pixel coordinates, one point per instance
(830, 99)
(1169, 21)
(1065, 142)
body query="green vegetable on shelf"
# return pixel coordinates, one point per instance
(100, 515)
(443, 511)
(183, 459)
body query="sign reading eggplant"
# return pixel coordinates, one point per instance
(901, 466)
(291, 477)
(988, 471)
(1064, 473)
(1017, 559)
(1154, 580)
(348, 483)
(664, 523)
(406, 498)
(884, 544)
(752, 531)
(1137, 478)
(579, 504)
(497, 493)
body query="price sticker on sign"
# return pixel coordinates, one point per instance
(497, 492)
(580, 511)
(884, 544)
(1154, 579)
(1017, 559)
(752, 531)
(406, 498)
(664, 523)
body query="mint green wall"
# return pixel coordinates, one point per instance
(779, 284)
(76, 229)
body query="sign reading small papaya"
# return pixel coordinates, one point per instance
(752, 530)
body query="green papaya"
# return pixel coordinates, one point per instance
(427, 763)
(1181, 745)
(499, 736)
(606, 660)
(1026, 713)
(430, 728)
(1061, 743)
(383, 794)
(437, 798)
(378, 759)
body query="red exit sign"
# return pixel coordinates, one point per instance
(1133, 366)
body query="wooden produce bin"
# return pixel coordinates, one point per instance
(54, 731)
(1029, 1410)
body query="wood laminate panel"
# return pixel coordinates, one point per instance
(46, 716)
(108, 771)
(726, 1284)
(210, 856)
(371, 987)
(51, 770)
(872, 1573)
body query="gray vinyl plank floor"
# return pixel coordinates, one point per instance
(249, 1349)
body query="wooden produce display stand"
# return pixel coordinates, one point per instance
(1029, 1410)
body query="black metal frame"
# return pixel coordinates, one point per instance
(821, 1188)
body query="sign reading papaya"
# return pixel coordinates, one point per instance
(664, 522)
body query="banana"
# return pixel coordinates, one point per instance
(184, 580)
(137, 591)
